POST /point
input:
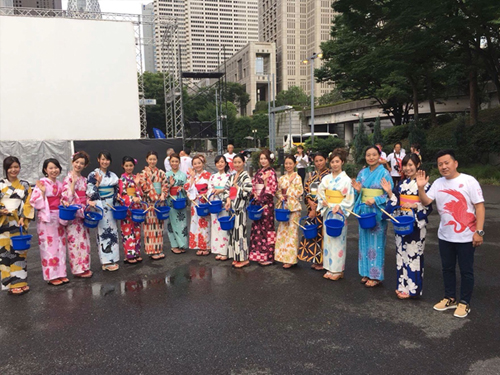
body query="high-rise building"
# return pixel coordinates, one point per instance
(148, 33)
(6, 3)
(205, 27)
(297, 27)
(46, 4)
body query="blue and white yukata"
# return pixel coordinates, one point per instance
(372, 241)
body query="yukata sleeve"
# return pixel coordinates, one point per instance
(422, 211)
(348, 192)
(322, 197)
(92, 189)
(67, 195)
(295, 191)
(146, 184)
(229, 182)
(27, 211)
(267, 194)
(165, 187)
(246, 187)
(381, 200)
(122, 192)
(393, 201)
(279, 193)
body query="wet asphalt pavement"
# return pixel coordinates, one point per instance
(194, 315)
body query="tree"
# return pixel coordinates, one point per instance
(325, 145)
(293, 96)
(331, 97)
(377, 132)
(153, 89)
(360, 142)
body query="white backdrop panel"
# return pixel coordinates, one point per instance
(67, 79)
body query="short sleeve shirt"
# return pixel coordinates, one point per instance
(455, 199)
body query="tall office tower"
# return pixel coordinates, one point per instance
(206, 26)
(6, 3)
(82, 6)
(297, 27)
(148, 33)
(46, 4)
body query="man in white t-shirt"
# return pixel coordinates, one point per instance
(186, 161)
(394, 160)
(170, 151)
(460, 203)
(229, 155)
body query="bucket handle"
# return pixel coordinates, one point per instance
(315, 221)
(88, 207)
(330, 213)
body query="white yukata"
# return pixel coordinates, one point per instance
(334, 248)
(219, 238)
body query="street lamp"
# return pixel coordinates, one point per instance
(310, 60)
(254, 132)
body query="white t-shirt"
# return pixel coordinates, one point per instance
(186, 163)
(167, 164)
(455, 199)
(395, 160)
(229, 158)
(302, 161)
(383, 155)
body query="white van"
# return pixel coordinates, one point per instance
(300, 139)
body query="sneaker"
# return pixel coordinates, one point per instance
(445, 304)
(462, 310)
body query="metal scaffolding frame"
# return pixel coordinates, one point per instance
(169, 42)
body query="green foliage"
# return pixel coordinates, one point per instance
(377, 132)
(352, 170)
(324, 145)
(417, 135)
(153, 89)
(395, 134)
(260, 107)
(360, 143)
(293, 96)
(332, 97)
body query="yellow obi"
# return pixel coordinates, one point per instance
(370, 193)
(334, 196)
(131, 191)
(412, 199)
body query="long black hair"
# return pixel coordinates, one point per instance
(218, 158)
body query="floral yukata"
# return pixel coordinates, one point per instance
(287, 237)
(131, 231)
(410, 248)
(177, 229)
(199, 231)
(372, 241)
(263, 234)
(107, 230)
(153, 185)
(311, 250)
(335, 191)
(238, 243)
(219, 238)
(15, 197)
(78, 237)
(50, 229)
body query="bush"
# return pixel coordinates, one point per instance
(395, 134)
(352, 170)
(324, 145)
(360, 142)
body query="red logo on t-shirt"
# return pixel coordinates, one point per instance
(458, 209)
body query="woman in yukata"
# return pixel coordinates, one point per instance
(370, 197)
(410, 247)
(289, 192)
(102, 192)
(197, 189)
(130, 192)
(335, 197)
(263, 234)
(311, 250)
(15, 213)
(46, 199)
(154, 188)
(216, 184)
(78, 237)
(237, 196)
(177, 229)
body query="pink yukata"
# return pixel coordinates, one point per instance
(50, 229)
(78, 238)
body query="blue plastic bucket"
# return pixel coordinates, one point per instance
(203, 209)
(91, 218)
(119, 212)
(405, 225)
(179, 203)
(226, 222)
(282, 214)
(21, 242)
(254, 213)
(68, 213)
(334, 226)
(367, 221)
(138, 215)
(162, 212)
(215, 206)
(310, 231)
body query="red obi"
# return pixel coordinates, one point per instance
(82, 197)
(233, 191)
(202, 188)
(174, 190)
(54, 203)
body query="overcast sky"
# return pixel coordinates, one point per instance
(117, 6)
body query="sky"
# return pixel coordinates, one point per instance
(117, 6)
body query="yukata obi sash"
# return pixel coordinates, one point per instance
(106, 191)
(412, 199)
(131, 191)
(370, 193)
(157, 187)
(334, 196)
(174, 190)
(54, 203)
(82, 197)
